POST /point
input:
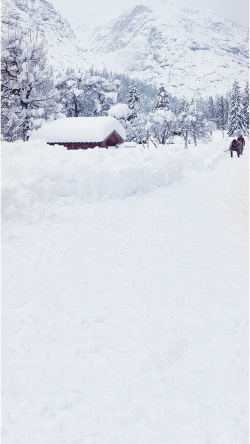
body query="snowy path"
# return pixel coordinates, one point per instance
(96, 293)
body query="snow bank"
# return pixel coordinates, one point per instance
(34, 172)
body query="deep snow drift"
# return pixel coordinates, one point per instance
(124, 295)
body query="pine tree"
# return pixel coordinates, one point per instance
(184, 106)
(220, 114)
(133, 101)
(200, 106)
(235, 115)
(226, 111)
(211, 111)
(162, 99)
(245, 110)
(196, 122)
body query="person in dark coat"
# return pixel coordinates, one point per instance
(241, 144)
(234, 147)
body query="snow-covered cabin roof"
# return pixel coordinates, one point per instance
(79, 129)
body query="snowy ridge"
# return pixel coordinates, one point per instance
(34, 172)
(161, 43)
(157, 42)
(63, 48)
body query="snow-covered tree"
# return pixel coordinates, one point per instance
(184, 125)
(235, 114)
(146, 93)
(86, 95)
(183, 106)
(211, 110)
(162, 125)
(136, 129)
(162, 99)
(220, 114)
(133, 101)
(26, 84)
(192, 124)
(200, 106)
(245, 110)
(11, 69)
(226, 111)
(197, 122)
(175, 106)
(72, 97)
(210, 127)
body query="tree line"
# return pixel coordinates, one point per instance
(31, 95)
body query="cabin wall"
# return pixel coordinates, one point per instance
(78, 145)
(112, 140)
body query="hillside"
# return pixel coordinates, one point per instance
(64, 49)
(185, 50)
(156, 42)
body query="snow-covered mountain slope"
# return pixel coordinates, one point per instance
(63, 48)
(161, 43)
(157, 42)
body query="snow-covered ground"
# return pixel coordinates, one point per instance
(124, 295)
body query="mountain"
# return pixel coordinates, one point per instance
(155, 41)
(63, 48)
(161, 43)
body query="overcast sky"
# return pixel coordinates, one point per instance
(236, 10)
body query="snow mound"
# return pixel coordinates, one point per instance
(34, 173)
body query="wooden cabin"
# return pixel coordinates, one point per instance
(82, 132)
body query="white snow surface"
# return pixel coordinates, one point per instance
(79, 129)
(124, 294)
